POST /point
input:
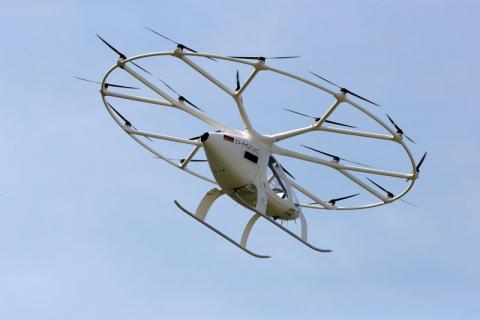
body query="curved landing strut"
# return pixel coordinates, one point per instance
(301, 239)
(239, 245)
(212, 195)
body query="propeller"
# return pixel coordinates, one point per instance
(194, 160)
(420, 162)
(399, 130)
(317, 118)
(121, 55)
(106, 84)
(183, 160)
(180, 97)
(195, 138)
(333, 201)
(409, 203)
(344, 90)
(389, 194)
(179, 45)
(288, 173)
(198, 137)
(263, 58)
(238, 81)
(335, 158)
(127, 123)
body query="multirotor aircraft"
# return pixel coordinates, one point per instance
(244, 163)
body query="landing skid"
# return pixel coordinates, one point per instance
(308, 244)
(219, 232)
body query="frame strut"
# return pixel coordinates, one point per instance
(137, 98)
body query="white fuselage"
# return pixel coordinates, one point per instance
(241, 166)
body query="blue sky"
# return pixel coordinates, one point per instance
(88, 228)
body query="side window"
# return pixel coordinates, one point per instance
(250, 156)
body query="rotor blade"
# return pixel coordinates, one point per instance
(106, 83)
(340, 124)
(169, 87)
(336, 158)
(143, 69)
(395, 125)
(299, 113)
(420, 162)
(334, 201)
(326, 80)
(343, 198)
(409, 138)
(238, 81)
(191, 160)
(183, 160)
(322, 152)
(409, 203)
(316, 119)
(180, 97)
(288, 173)
(399, 130)
(180, 45)
(389, 194)
(190, 103)
(248, 58)
(127, 123)
(121, 55)
(342, 89)
(161, 35)
(283, 57)
(264, 58)
(360, 97)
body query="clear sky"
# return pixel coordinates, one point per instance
(88, 228)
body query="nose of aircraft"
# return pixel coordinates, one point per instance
(227, 160)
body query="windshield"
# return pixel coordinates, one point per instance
(274, 178)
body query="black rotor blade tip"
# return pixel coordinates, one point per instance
(127, 123)
(420, 162)
(169, 87)
(139, 67)
(288, 173)
(238, 81)
(283, 57)
(161, 35)
(190, 103)
(338, 123)
(391, 120)
(302, 114)
(111, 47)
(389, 194)
(326, 80)
(360, 97)
(411, 140)
(336, 158)
(346, 197)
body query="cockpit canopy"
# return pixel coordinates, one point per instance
(276, 178)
